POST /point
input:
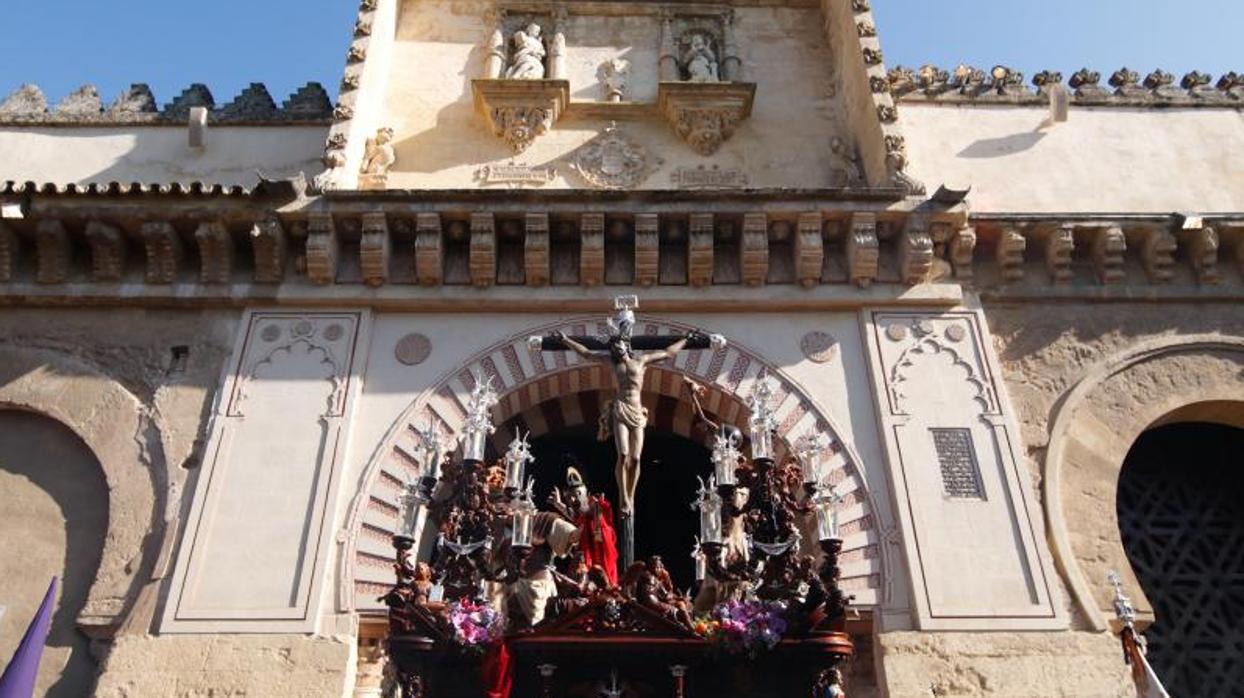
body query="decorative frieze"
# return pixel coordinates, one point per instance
(429, 249)
(164, 251)
(647, 249)
(700, 250)
(536, 249)
(269, 245)
(863, 252)
(323, 248)
(107, 244)
(375, 249)
(1108, 246)
(483, 252)
(215, 253)
(53, 251)
(809, 250)
(754, 250)
(592, 249)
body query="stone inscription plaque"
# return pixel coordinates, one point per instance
(961, 476)
(708, 178)
(516, 175)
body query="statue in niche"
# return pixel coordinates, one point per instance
(527, 61)
(699, 61)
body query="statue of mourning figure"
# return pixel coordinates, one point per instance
(527, 59)
(698, 60)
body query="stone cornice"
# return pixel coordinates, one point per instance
(429, 249)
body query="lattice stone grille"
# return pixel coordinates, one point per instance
(1181, 512)
(961, 475)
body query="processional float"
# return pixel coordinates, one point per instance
(505, 606)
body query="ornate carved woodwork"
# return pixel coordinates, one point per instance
(536, 248)
(863, 253)
(323, 248)
(107, 251)
(754, 250)
(1202, 246)
(375, 249)
(215, 253)
(54, 252)
(429, 249)
(1058, 245)
(647, 249)
(1107, 248)
(164, 251)
(592, 249)
(269, 246)
(1157, 254)
(809, 250)
(1010, 254)
(700, 250)
(915, 252)
(483, 252)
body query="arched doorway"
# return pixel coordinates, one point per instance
(55, 505)
(1181, 516)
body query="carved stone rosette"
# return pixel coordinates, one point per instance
(705, 114)
(519, 111)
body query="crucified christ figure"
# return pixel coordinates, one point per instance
(626, 415)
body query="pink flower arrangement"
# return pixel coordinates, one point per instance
(744, 626)
(475, 625)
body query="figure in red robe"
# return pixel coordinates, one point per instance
(592, 514)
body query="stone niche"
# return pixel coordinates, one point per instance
(699, 93)
(524, 90)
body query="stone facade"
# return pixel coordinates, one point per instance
(944, 272)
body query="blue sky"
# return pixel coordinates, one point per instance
(61, 44)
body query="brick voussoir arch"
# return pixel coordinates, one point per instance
(525, 379)
(113, 424)
(1099, 457)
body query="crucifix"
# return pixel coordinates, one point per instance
(625, 416)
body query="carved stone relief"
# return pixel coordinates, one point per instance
(705, 177)
(378, 157)
(413, 349)
(819, 347)
(515, 175)
(613, 160)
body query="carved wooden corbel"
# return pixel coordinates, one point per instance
(1202, 245)
(375, 249)
(700, 250)
(1157, 254)
(962, 248)
(536, 249)
(107, 251)
(809, 249)
(164, 251)
(10, 253)
(269, 245)
(215, 253)
(1058, 245)
(1107, 250)
(862, 249)
(647, 249)
(483, 252)
(754, 250)
(1010, 254)
(915, 252)
(323, 248)
(592, 249)
(53, 252)
(429, 249)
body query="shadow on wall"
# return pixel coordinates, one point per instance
(1003, 146)
(55, 505)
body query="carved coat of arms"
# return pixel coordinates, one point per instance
(613, 160)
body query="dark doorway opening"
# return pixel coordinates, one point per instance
(1181, 514)
(665, 524)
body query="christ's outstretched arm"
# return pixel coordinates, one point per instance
(580, 349)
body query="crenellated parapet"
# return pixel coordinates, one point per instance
(228, 246)
(136, 105)
(1122, 88)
